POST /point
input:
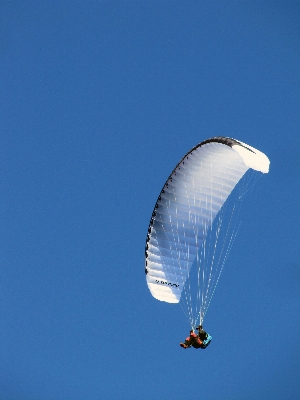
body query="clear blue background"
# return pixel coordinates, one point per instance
(99, 101)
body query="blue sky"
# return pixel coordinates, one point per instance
(99, 101)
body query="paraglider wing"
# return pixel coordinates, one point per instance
(187, 206)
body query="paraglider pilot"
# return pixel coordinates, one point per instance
(198, 341)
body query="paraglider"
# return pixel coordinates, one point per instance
(198, 341)
(194, 223)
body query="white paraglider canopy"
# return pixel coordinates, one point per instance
(184, 230)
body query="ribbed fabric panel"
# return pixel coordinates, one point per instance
(185, 210)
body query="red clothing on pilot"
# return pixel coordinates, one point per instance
(192, 340)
